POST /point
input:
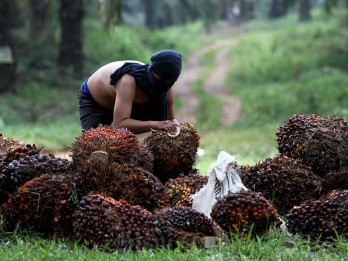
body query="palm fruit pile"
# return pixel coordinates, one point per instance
(113, 225)
(183, 226)
(282, 180)
(321, 219)
(45, 203)
(173, 155)
(336, 180)
(121, 145)
(18, 171)
(243, 213)
(178, 192)
(320, 142)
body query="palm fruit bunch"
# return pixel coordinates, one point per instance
(143, 158)
(25, 168)
(173, 155)
(120, 144)
(121, 181)
(244, 212)
(183, 226)
(284, 181)
(320, 142)
(336, 180)
(135, 185)
(321, 219)
(111, 224)
(11, 149)
(178, 192)
(45, 203)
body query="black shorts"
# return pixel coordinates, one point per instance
(91, 113)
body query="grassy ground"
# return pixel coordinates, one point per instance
(273, 246)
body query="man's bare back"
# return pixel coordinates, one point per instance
(99, 84)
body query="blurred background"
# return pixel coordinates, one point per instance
(249, 65)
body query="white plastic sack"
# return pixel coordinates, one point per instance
(222, 178)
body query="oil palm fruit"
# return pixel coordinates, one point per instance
(11, 149)
(320, 142)
(23, 169)
(182, 226)
(244, 212)
(45, 203)
(336, 180)
(284, 181)
(122, 181)
(173, 155)
(178, 192)
(321, 219)
(120, 144)
(111, 224)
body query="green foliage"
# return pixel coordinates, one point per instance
(248, 145)
(36, 103)
(273, 246)
(300, 70)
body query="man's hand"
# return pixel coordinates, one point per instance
(175, 121)
(168, 126)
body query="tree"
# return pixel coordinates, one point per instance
(276, 9)
(149, 9)
(304, 10)
(70, 56)
(7, 60)
(38, 17)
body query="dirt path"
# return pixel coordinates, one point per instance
(215, 84)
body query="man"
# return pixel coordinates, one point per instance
(132, 95)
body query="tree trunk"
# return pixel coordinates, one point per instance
(276, 9)
(70, 50)
(7, 60)
(38, 17)
(149, 9)
(304, 10)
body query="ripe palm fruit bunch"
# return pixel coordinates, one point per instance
(111, 224)
(120, 144)
(243, 213)
(173, 155)
(184, 226)
(284, 181)
(321, 219)
(336, 180)
(45, 203)
(121, 181)
(143, 158)
(178, 192)
(136, 186)
(25, 168)
(11, 149)
(320, 142)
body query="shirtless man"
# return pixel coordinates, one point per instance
(132, 95)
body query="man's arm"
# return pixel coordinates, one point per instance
(125, 94)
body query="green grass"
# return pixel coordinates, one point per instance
(272, 246)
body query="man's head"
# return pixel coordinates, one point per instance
(166, 65)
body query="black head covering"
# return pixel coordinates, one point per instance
(166, 64)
